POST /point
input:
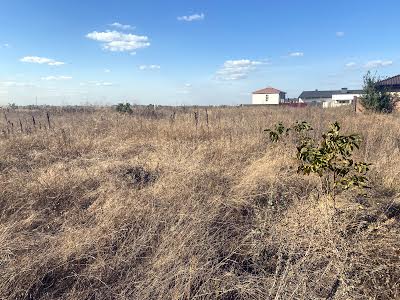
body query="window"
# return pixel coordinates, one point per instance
(266, 98)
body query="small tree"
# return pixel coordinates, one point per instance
(330, 158)
(375, 98)
(124, 108)
(12, 106)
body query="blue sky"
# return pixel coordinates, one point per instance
(190, 52)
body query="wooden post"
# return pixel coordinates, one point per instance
(48, 119)
(196, 118)
(355, 100)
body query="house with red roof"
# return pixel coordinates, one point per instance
(269, 96)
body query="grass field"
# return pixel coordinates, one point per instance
(188, 204)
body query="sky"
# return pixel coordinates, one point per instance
(190, 52)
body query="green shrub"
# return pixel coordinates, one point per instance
(124, 108)
(12, 106)
(331, 158)
(375, 98)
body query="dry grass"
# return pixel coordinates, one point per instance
(149, 206)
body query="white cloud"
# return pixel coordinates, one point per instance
(195, 17)
(107, 71)
(41, 60)
(237, 69)
(133, 53)
(5, 46)
(16, 84)
(56, 78)
(116, 41)
(340, 34)
(104, 84)
(378, 63)
(149, 67)
(296, 54)
(96, 83)
(351, 64)
(122, 26)
(185, 90)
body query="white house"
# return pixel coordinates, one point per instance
(268, 96)
(333, 98)
(344, 97)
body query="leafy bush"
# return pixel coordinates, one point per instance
(12, 106)
(375, 98)
(124, 108)
(330, 158)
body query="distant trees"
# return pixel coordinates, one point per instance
(124, 108)
(12, 106)
(376, 98)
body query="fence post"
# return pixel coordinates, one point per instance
(48, 119)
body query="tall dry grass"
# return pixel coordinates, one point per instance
(151, 206)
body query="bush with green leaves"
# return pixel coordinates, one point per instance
(12, 106)
(376, 98)
(124, 108)
(331, 158)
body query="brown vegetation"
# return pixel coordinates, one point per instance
(177, 205)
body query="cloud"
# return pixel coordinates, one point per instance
(16, 84)
(96, 83)
(56, 78)
(296, 54)
(116, 41)
(107, 71)
(195, 17)
(5, 46)
(185, 90)
(41, 60)
(378, 63)
(237, 69)
(351, 64)
(122, 26)
(149, 67)
(104, 83)
(340, 34)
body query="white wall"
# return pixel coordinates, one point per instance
(316, 100)
(336, 100)
(340, 97)
(261, 99)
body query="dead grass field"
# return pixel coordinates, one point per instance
(151, 206)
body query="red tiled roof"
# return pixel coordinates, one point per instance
(268, 90)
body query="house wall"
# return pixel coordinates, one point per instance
(273, 99)
(314, 101)
(336, 100)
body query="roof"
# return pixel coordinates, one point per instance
(327, 94)
(395, 80)
(268, 90)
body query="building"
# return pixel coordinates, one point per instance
(345, 97)
(332, 98)
(268, 96)
(315, 97)
(391, 85)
